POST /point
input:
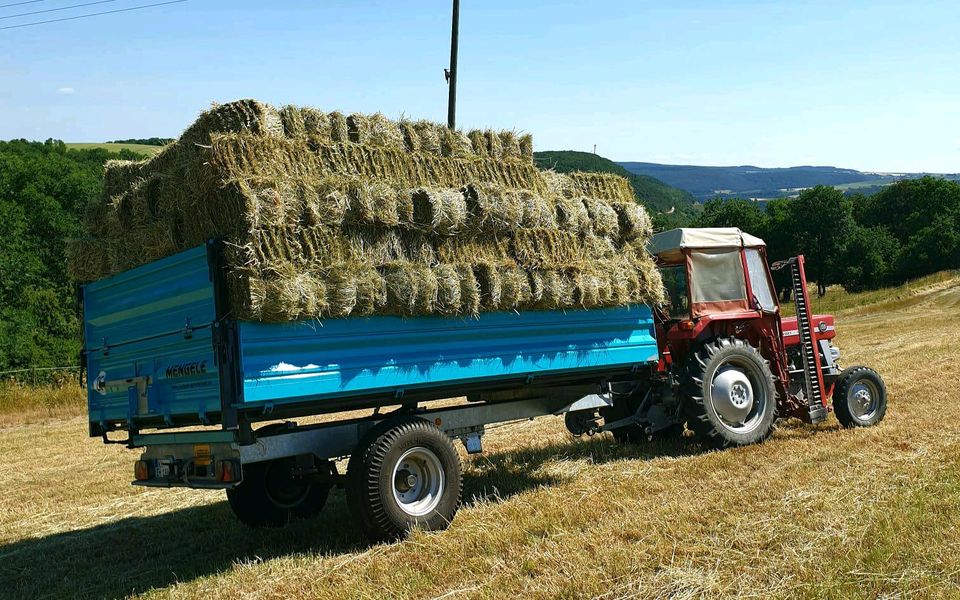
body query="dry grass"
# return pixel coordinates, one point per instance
(816, 512)
(22, 404)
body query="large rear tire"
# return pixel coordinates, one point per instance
(729, 393)
(859, 397)
(270, 495)
(405, 474)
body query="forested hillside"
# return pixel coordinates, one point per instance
(669, 206)
(909, 229)
(44, 187)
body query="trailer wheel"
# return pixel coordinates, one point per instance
(859, 397)
(405, 474)
(271, 496)
(729, 393)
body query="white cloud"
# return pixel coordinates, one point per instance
(65, 91)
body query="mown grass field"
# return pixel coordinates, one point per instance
(817, 512)
(139, 148)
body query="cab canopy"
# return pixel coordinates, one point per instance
(668, 246)
(713, 270)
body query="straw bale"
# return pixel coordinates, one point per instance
(538, 211)
(490, 284)
(440, 211)
(633, 219)
(374, 130)
(493, 207)
(557, 290)
(448, 289)
(603, 218)
(515, 290)
(371, 290)
(429, 136)
(339, 130)
(87, 259)
(587, 286)
(603, 185)
(292, 120)
(525, 143)
(341, 284)
(412, 289)
(478, 142)
(493, 143)
(572, 214)
(510, 144)
(454, 144)
(546, 247)
(316, 123)
(411, 139)
(469, 290)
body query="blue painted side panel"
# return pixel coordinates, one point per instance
(135, 325)
(343, 357)
(156, 321)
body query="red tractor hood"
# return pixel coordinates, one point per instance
(822, 329)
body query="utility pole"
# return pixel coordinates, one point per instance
(451, 73)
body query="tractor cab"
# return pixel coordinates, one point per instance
(730, 363)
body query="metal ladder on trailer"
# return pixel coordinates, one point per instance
(813, 382)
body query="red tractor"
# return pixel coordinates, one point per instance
(730, 364)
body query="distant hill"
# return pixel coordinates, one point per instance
(154, 141)
(758, 182)
(657, 196)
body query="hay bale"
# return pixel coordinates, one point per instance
(316, 124)
(341, 288)
(490, 285)
(493, 143)
(371, 290)
(411, 139)
(587, 286)
(515, 290)
(572, 214)
(603, 219)
(440, 211)
(324, 201)
(538, 211)
(603, 185)
(633, 220)
(374, 130)
(478, 142)
(469, 290)
(87, 259)
(292, 120)
(558, 290)
(412, 289)
(493, 207)
(525, 142)
(454, 144)
(448, 289)
(339, 130)
(428, 135)
(510, 144)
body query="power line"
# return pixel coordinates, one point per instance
(20, 3)
(97, 14)
(37, 12)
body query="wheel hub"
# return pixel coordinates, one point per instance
(418, 481)
(863, 405)
(732, 395)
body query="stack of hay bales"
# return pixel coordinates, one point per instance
(330, 215)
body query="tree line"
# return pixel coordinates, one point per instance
(909, 229)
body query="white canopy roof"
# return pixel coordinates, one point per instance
(669, 244)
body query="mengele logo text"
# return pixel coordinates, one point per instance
(187, 369)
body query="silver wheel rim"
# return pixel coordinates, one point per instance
(864, 399)
(738, 395)
(418, 481)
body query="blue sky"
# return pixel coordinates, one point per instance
(867, 85)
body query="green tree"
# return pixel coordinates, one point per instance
(746, 215)
(822, 220)
(871, 258)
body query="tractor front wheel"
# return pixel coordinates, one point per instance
(729, 393)
(859, 397)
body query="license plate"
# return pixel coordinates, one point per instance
(161, 471)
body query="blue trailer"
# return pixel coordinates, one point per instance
(213, 401)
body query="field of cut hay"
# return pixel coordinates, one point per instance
(814, 513)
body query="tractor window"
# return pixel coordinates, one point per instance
(717, 276)
(758, 279)
(675, 283)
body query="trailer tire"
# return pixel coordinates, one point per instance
(269, 496)
(859, 397)
(729, 394)
(405, 474)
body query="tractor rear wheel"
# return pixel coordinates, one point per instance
(729, 393)
(859, 397)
